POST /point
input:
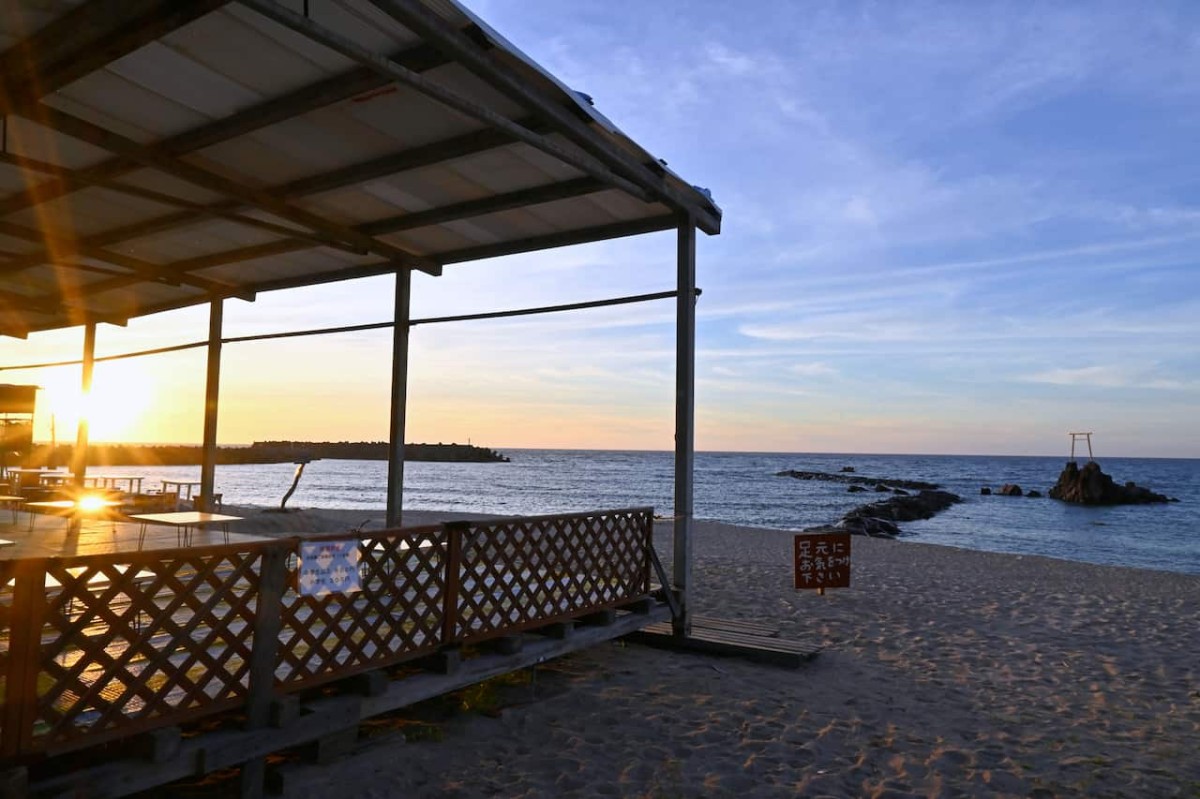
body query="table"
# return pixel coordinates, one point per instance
(71, 509)
(183, 522)
(34, 476)
(114, 481)
(183, 487)
(13, 501)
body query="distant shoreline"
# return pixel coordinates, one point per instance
(263, 452)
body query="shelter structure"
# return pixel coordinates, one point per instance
(159, 154)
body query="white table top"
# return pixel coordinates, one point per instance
(185, 518)
(70, 504)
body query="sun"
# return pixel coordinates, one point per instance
(122, 392)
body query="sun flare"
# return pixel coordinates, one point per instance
(121, 393)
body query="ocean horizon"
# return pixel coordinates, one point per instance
(744, 489)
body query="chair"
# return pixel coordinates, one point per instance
(218, 504)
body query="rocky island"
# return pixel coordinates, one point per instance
(1091, 486)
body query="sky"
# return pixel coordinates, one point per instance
(948, 228)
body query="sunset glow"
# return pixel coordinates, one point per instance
(122, 392)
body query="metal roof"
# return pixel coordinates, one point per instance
(160, 153)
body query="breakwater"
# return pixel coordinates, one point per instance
(261, 452)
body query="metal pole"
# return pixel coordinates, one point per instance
(395, 487)
(212, 391)
(685, 421)
(79, 456)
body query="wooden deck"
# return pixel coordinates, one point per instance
(758, 642)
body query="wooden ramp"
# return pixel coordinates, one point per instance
(758, 642)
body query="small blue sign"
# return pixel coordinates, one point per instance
(329, 567)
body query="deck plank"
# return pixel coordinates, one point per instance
(757, 642)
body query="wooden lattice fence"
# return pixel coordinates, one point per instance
(96, 648)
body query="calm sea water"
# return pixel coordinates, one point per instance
(742, 488)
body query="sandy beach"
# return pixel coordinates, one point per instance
(945, 672)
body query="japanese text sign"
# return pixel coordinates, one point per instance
(823, 561)
(328, 567)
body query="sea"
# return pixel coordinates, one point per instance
(745, 489)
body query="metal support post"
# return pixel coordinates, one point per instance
(399, 405)
(79, 456)
(685, 421)
(212, 391)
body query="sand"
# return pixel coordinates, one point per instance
(946, 672)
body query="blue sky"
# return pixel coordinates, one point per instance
(964, 228)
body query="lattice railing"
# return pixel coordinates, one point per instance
(521, 573)
(396, 616)
(94, 648)
(111, 645)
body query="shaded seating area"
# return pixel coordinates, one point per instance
(376, 138)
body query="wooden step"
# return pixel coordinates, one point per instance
(757, 642)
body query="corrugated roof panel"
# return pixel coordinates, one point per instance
(294, 264)
(350, 204)
(146, 294)
(172, 74)
(21, 20)
(204, 237)
(113, 102)
(421, 189)
(14, 245)
(250, 161)
(497, 227)
(547, 164)
(154, 180)
(90, 210)
(362, 23)
(319, 143)
(429, 240)
(223, 41)
(500, 171)
(407, 117)
(12, 178)
(318, 55)
(622, 206)
(575, 212)
(28, 138)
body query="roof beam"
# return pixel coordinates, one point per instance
(411, 221)
(301, 101)
(566, 238)
(521, 198)
(419, 18)
(91, 133)
(447, 213)
(85, 39)
(63, 248)
(411, 158)
(581, 236)
(584, 162)
(193, 211)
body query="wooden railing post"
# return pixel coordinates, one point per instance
(648, 546)
(268, 620)
(454, 541)
(24, 656)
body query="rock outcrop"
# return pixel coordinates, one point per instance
(1091, 486)
(879, 519)
(1010, 490)
(853, 479)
